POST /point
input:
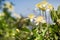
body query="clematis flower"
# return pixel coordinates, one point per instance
(9, 6)
(50, 7)
(38, 5)
(31, 17)
(40, 19)
(44, 6)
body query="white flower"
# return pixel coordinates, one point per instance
(31, 16)
(44, 6)
(49, 6)
(39, 19)
(9, 6)
(16, 15)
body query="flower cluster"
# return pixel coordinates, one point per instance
(9, 6)
(44, 6)
(38, 19)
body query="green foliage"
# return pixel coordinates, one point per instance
(19, 29)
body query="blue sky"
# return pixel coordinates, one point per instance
(25, 7)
